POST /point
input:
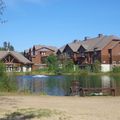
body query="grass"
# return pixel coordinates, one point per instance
(31, 113)
(25, 114)
(22, 94)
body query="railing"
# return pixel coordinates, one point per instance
(99, 91)
(80, 55)
(61, 57)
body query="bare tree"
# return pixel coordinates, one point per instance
(2, 8)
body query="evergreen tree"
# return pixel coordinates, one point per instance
(7, 46)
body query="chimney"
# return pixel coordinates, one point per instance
(75, 41)
(86, 38)
(30, 51)
(100, 35)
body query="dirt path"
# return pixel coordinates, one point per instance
(67, 108)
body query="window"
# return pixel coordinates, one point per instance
(104, 61)
(43, 53)
(82, 54)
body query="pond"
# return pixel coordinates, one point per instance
(60, 85)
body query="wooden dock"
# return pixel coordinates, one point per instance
(75, 90)
(98, 91)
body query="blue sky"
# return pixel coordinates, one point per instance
(57, 22)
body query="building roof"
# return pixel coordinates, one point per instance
(41, 47)
(114, 44)
(62, 48)
(17, 55)
(89, 44)
(75, 45)
(37, 47)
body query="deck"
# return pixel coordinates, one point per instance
(92, 91)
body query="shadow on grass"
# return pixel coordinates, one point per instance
(18, 116)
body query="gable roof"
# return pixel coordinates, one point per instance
(37, 47)
(106, 40)
(17, 55)
(75, 45)
(62, 48)
(98, 42)
(89, 44)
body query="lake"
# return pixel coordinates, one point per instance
(60, 85)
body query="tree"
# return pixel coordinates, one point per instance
(10, 47)
(2, 7)
(51, 62)
(7, 46)
(96, 67)
(68, 65)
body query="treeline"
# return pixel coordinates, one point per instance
(7, 46)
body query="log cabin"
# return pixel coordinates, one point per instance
(15, 61)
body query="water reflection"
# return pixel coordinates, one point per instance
(60, 85)
(105, 81)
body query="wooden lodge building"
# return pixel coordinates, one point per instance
(15, 61)
(38, 54)
(105, 49)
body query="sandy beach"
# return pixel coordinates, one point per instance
(63, 108)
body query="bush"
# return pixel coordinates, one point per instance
(7, 81)
(68, 66)
(58, 71)
(116, 69)
(51, 62)
(83, 72)
(96, 66)
(2, 69)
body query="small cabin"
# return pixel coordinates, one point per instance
(15, 61)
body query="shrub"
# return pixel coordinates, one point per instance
(7, 81)
(96, 66)
(2, 69)
(116, 69)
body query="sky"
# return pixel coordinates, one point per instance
(57, 22)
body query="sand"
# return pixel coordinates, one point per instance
(67, 108)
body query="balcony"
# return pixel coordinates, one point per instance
(62, 57)
(81, 55)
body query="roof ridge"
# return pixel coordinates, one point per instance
(100, 40)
